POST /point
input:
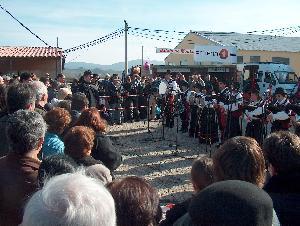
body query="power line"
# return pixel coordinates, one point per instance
(24, 26)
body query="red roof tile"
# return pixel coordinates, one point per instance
(11, 51)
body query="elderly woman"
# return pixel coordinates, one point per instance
(103, 149)
(79, 142)
(57, 120)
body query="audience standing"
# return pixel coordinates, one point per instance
(201, 177)
(57, 120)
(90, 92)
(79, 142)
(79, 103)
(137, 202)
(19, 169)
(55, 165)
(19, 96)
(71, 199)
(41, 97)
(103, 148)
(282, 151)
(231, 202)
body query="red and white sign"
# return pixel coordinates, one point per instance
(221, 54)
(176, 51)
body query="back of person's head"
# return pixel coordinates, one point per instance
(65, 104)
(71, 199)
(91, 118)
(100, 172)
(57, 119)
(282, 150)
(20, 96)
(63, 93)
(231, 202)
(25, 131)
(79, 141)
(137, 202)
(202, 173)
(55, 165)
(79, 102)
(41, 90)
(240, 158)
(25, 77)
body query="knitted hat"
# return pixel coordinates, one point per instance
(232, 202)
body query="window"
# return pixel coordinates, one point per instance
(240, 59)
(254, 59)
(285, 77)
(281, 60)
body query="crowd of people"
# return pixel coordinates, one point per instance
(57, 163)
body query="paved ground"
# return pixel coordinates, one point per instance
(149, 156)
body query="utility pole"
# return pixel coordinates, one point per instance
(126, 60)
(142, 66)
(56, 68)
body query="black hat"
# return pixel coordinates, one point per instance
(280, 91)
(88, 72)
(231, 202)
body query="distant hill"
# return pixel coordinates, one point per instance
(114, 67)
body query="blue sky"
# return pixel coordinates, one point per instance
(75, 22)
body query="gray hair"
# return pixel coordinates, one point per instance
(40, 89)
(20, 96)
(71, 199)
(24, 130)
(100, 172)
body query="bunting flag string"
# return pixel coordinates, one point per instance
(277, 30)
(169, 36)
(116, 34)
(155, 37)
(34, 34)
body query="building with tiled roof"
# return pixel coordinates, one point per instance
(38, 60)
(251, 48)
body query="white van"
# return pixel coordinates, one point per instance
(270, 74)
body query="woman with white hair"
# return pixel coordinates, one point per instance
(71, 199)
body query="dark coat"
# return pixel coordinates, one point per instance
(284, 190)
(18, 181)
(87, 161)
(176, 212)
(104, 151)
(3, 139)
(89, 90)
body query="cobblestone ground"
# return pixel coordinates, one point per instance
(149, 156)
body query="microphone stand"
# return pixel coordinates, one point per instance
(163, 115)
(228, 126)
(148, 113)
